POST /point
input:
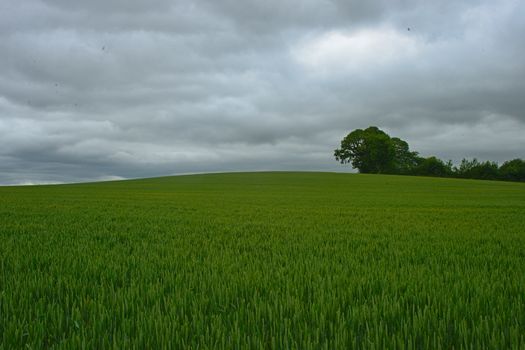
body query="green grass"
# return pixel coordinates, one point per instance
(264, 260)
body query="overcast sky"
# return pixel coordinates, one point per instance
(101, 89)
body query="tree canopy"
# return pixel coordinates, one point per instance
(373, 151)
(513, 170)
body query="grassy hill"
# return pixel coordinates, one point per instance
(264, 260)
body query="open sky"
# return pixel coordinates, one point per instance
(100, 89)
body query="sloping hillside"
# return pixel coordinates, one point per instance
(264, 260)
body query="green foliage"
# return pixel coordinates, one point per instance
(264, 260)
(466, 166)
(513, 170)
(373, 151)
(432, 166)
(404, 161)
(473, 169)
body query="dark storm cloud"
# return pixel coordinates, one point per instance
(108, 89)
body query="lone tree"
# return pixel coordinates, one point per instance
(373, 151)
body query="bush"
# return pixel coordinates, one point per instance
(433, 166)
(473, 169)
(513, 170)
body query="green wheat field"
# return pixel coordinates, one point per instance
(264, 261)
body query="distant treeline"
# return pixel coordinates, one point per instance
(373, 151)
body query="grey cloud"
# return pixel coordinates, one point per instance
(101, 90)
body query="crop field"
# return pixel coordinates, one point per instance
(264, 261)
